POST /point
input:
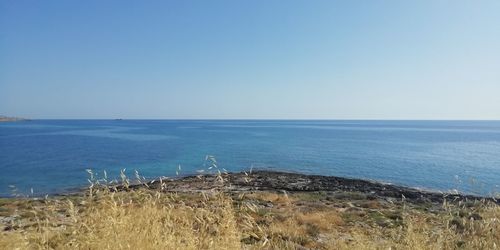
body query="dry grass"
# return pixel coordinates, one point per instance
(129, 220)
(156, 219)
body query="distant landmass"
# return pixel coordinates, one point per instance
(11, 119)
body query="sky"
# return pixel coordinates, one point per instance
(250, 59)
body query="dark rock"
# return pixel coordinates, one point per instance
(457, 223)
(337, 187)
(475, 216)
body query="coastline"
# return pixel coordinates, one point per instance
(279, 181)
(12, 119)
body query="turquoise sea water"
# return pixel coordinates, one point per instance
(51, 155)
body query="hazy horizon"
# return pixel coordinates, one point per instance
(246, 119)
(422, 60)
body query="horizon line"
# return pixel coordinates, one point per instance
(266, 119)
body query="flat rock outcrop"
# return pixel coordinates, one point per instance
(295, 182)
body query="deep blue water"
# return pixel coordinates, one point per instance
(52, 155)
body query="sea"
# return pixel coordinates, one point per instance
(40, 157)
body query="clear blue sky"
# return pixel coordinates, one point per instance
(250, 59)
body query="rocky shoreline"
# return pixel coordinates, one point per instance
(264, 180)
